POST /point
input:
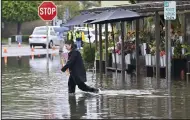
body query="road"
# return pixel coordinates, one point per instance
(25, 50)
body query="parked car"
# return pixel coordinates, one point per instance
(39, 36)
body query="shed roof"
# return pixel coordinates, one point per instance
(143, 7)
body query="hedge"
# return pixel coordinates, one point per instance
(88, 53)
(25, 38)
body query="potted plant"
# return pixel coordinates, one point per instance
(187, 48)
(143, 42)
(152, 52)
(162, 53)
(179, 61)
(187, 54)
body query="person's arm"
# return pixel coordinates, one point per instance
(70, 62)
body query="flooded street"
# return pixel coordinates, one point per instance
(29, 91)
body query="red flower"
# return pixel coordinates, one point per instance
(119, 52)
(162, 53)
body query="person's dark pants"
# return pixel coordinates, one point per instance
(81, 85)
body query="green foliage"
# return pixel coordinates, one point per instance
(88, 53)
(89, 4)
(152, 46)
(187, 47)
(20, 11)
(132, 1)
(25, 38)
(4, 41)
(177, 50)
(73, 7)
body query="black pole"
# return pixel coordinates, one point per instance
(122, 52)
(96, 35)
(114, 46)
(100, 48)
(89, 35)
(106, 46)
(137, 48)
(157, 36)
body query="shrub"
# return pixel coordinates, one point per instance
(88, 53)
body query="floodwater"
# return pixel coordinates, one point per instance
(30, 91)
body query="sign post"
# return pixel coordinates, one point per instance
(47, 11)
(169, 14)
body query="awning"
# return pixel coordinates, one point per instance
(78, 20)
(116, 16)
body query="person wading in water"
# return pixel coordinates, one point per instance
(76, 69)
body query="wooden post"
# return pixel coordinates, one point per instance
(100, 48)
(96, 35)
(157, 36)
(106, 46)
(137, 48)
(122, 52)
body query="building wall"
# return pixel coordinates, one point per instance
(113, 3)
(10, 29)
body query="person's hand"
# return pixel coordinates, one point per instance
(63, 69)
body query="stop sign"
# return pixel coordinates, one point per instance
(47, 11)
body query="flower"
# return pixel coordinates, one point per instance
(162, 53)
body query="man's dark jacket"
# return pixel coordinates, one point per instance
(76, 66)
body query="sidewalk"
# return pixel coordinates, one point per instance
(25, 50)
(13, 45)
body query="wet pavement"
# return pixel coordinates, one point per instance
(25, 50)
(30, 91)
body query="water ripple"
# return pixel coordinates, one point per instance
(32, 93)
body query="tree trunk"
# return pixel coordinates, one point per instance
(19, 28)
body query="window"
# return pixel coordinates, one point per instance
(52, 32)
(40, 32)
(40, 28)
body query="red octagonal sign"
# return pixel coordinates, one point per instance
(47, 11)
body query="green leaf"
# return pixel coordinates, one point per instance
(188, 53)
(18, 11)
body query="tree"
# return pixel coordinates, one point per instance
(89, 4)
(19, 12)
(73, 7)
(132, 1)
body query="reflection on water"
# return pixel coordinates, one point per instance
(28, 91)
